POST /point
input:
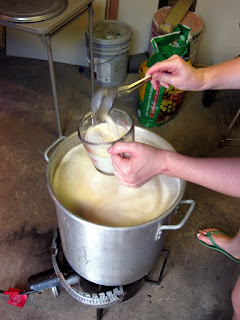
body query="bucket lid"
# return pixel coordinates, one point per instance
(111, 31)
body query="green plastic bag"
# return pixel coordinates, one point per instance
(156, 107)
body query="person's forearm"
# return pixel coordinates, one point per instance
(222, 175)
(225, 75)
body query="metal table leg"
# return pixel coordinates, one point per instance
(225, 138)
(47, 41)
(90, 23)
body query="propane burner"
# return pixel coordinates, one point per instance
(87, 292)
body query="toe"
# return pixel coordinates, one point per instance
(205, 231)
(202, 237)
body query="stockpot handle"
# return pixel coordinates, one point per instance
(161, 228)
(100, 300)
(51, 147)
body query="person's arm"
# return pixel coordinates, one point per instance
(219, 174)
(180, 74)
(222, 175)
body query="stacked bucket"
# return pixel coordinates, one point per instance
(111, 43)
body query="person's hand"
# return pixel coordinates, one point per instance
(143, 162)
(178, 73)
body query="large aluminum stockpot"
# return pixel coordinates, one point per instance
(105, 255)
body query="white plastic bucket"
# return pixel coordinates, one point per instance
(111, 43)
(191, 20)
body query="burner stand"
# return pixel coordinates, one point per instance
(92, 294)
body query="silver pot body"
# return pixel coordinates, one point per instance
(109, 255)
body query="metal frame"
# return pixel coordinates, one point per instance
(226, 107)
(231, 125)
(46, 33)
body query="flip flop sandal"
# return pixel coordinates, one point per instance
(215, 246)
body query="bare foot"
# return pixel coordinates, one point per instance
(230, 245)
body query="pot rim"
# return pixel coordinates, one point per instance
(77, 218)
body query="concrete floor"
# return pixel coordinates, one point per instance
(197, 282)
